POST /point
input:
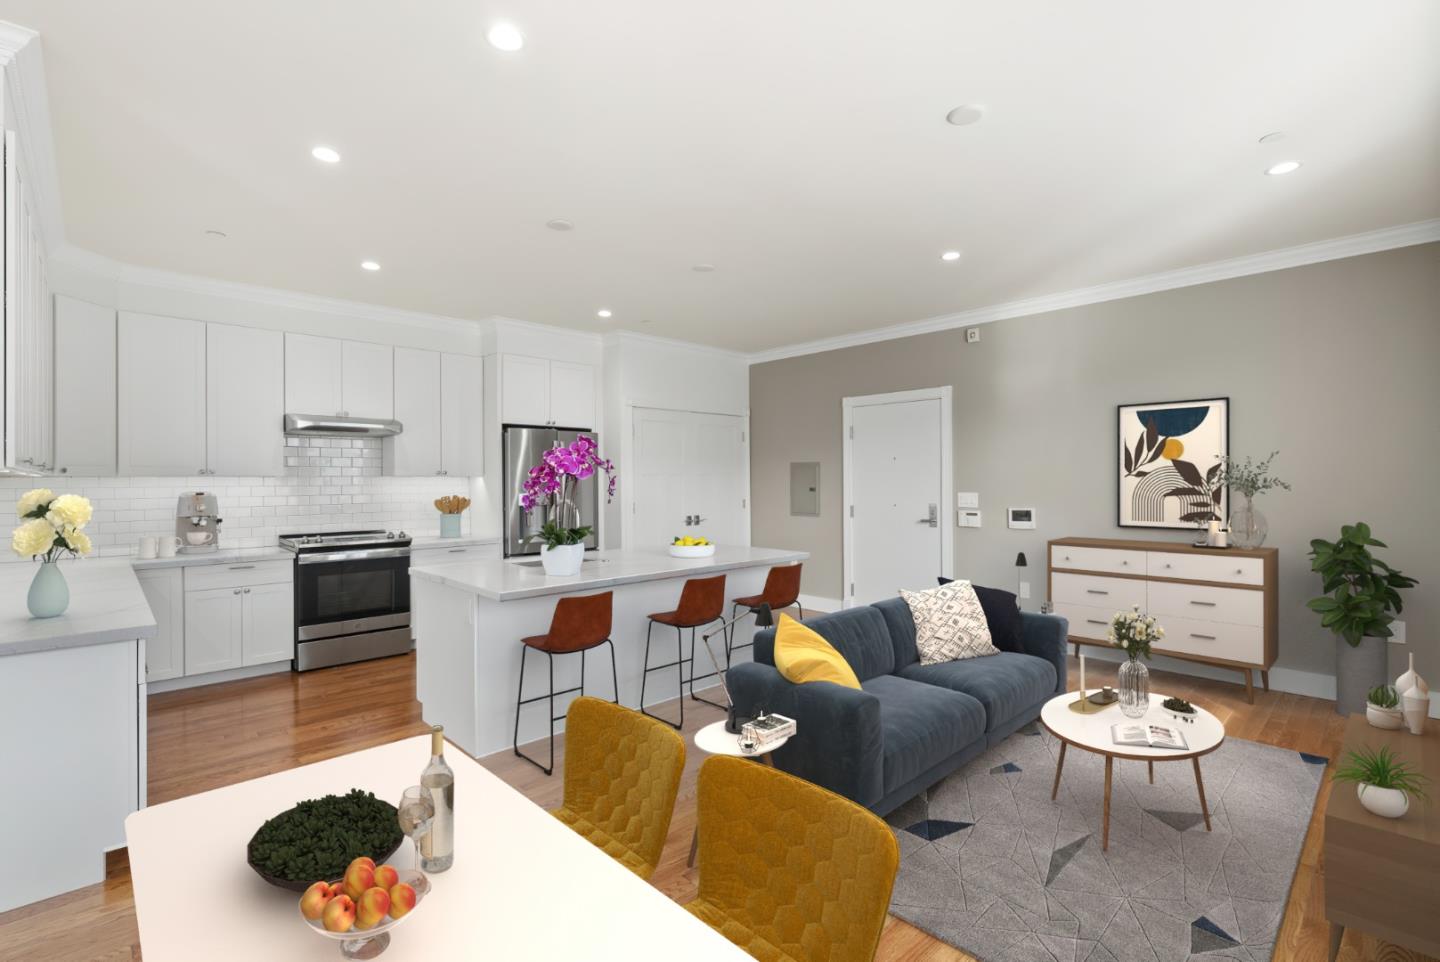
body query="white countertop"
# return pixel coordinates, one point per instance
(507, 581)
(421, 542)
(220, 557)
(106, 604)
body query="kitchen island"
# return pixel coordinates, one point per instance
(72, 702)
(468, 619)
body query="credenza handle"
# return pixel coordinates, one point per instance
(1202, 637)
(1204, 604)
(1092, 621)
(1124, 562)
(1095, 591)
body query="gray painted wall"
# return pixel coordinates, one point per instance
(1335, 364)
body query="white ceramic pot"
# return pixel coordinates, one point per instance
(1385, 802)
(1416, 707)
(562, 560)
(1388, 718)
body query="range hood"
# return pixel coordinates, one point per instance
(319, 426)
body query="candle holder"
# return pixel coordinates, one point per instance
(1083, 705)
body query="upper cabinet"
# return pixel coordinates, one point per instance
(84, 388)
(161, 395)
(29, 368)
(439, 398)
(329, 376)
(244, 401)
(537, 391)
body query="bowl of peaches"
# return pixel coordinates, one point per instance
(361, 908)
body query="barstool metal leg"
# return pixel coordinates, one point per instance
(645, 670)
(521, 702)
(614, 675)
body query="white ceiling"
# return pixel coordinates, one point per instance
(800, 147)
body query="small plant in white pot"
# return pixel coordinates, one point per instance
(1382, 708)
(551, 486)
(1383, 783)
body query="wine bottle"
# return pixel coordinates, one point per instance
(437, 848)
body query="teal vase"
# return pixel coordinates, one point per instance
(49, 594)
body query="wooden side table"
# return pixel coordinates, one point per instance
(1380, 873)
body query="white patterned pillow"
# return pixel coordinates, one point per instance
(949, 623)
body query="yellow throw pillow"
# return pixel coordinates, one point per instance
(801, 655)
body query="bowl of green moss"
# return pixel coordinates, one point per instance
(319, 837)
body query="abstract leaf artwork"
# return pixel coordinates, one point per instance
(1169, 463)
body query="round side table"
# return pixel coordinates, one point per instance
(713, 739)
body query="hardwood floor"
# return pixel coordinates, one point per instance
(208, 737)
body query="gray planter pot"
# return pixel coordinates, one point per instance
(1357, 670)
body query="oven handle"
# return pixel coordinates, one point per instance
(332, 556)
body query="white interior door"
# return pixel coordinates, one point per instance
(690, 477)
(897, 481)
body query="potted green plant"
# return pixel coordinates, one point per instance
(1248, 478)
(1362, 597)
(1382, 708)
(1383, 783)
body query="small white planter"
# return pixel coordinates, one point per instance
(562, 560)
(1385, 802)
(1388, 718)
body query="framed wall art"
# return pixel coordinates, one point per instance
(1168, 463)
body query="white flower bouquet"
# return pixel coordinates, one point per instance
(51, 525)
(1134, 632)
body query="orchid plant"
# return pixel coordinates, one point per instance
(552, 482)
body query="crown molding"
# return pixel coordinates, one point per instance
(535, 327)
(1352, 245)
(635, 337)
(24, 68)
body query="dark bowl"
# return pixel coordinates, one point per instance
(300, 885)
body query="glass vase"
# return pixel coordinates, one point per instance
(1134, 688)
(1248, 526)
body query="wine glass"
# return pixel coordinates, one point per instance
(416, 812)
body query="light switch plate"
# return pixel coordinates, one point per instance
(1397, 633)
(967, 499)
(1024, 589)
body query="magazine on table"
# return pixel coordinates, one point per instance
(1151, 736)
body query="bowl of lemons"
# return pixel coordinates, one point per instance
(688, 547)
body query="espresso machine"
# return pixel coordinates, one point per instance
(197, 522)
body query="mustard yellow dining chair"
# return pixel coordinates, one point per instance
(789, 871)
(622, 773)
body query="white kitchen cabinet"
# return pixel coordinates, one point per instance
(161, 383)
(85, 424)
(537, 391)
(462, 410)
(165, 653)
(312, 375)
(367, 387)
(28, 373)
(245, 401)
(415, 451)
(214, 630)
(268, 623)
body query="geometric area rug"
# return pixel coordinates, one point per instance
(992, 866)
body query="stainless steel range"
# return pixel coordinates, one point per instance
(352, 596)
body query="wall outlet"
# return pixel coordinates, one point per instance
(1397, 633)
(1024, 589)
(972, 335)
(967, 499)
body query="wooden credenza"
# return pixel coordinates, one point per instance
(1218, 606)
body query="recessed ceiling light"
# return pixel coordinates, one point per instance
(370, 265)
(603, 312)
(965, 114)
(950, 256)
(327, 155)
(215, 233)
(1284, 167)
(703, 268)
(506, 37)
(560, 223)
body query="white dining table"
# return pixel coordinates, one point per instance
(523, 885)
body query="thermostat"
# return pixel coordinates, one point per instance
(1020, 517)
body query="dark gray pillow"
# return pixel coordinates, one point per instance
(1002, 614)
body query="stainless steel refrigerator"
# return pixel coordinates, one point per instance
(523, 447)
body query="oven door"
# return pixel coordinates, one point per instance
(351, 592)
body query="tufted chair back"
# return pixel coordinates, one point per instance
(788, 870)
(622, 772)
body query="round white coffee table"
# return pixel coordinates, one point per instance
(713, 739)
(1091, 731)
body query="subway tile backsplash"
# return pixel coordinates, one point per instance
(330, 484)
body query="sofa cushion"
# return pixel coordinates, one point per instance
(1006, 683)
(902, 630)
(1002, 614)
(949, 623)
(921, 725)
(802, 656)
(859, 634)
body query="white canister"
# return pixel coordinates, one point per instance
(148, 547)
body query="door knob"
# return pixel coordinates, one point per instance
(933, 518)
(689, 520)
(699, 520)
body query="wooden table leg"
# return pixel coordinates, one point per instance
(1199, 784)
(1151, 764)
(694, 844)
(1105, 837)
(1249, 686)
(1265, 678)
(1337, 932)
(1059, 765)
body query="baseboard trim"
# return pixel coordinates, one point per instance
(1289, 680)
(216, 677)
(819, 604)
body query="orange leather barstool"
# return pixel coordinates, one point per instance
(702, 601)
(579, 624)
(782, 589)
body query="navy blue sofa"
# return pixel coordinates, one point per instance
(910, 725)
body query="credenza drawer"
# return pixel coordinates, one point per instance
(1213, 639)
(1097, 590)
(1204, 567)
(1115, 560)
(1086, 621)
(1236, 606)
